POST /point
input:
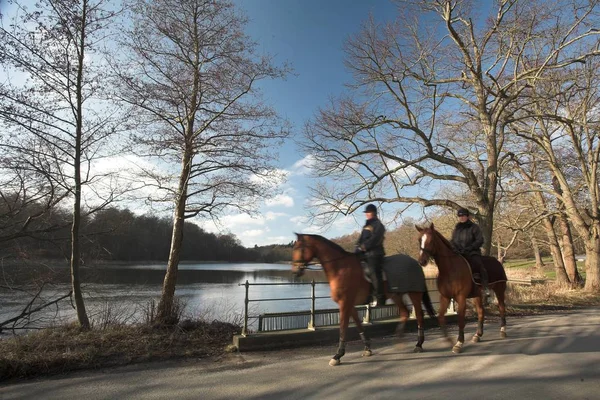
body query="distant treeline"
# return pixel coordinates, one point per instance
(120, 235)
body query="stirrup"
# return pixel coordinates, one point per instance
(377, 301)
(373, 302)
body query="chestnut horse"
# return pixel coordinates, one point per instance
(455, 282)
(349, 288)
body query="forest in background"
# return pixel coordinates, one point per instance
(116, 234)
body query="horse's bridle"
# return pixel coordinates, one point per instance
(302, 265)
(426, 251)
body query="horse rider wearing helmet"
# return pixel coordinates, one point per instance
(467, 240)
(370, 245)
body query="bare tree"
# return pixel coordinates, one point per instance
(54, 120)
(566, 241)
(529, 181)
(192, 78)
(562, 119)
(429, 102)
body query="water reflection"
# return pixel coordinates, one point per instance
(211, 291)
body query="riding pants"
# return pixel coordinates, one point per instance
(477, 267)
(375, 263)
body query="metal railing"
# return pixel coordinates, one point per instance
(313, 317)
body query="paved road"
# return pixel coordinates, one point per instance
(544, 357)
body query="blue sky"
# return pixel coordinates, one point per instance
(310, 35)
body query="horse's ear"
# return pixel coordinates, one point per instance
(431, 227)
(417, 227)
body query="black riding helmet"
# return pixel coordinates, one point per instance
(370, 208)
(463, 211)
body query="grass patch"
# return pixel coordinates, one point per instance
(551, 294)
(541, 298)
(58, 350)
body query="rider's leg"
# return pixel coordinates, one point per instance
(376, 272)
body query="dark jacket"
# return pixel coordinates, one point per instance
(371, 238)
(467, 238)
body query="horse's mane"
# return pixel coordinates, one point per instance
(442, 238)
(326, 241)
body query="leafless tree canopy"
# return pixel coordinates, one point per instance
(55, 122)
(431, 98)
(192, 74)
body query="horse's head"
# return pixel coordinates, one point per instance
(427, 249)
(302, 253)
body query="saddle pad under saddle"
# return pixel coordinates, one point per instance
(403, 274)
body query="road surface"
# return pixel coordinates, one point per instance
(544, 357)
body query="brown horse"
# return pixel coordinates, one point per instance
(350, 288)
(455, 281)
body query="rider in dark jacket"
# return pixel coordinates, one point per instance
(370, 243)
(467, 240)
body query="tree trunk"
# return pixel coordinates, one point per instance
(592, 261)
(82, 317)
(165, 312)
(539, 263)
(485, 220)
(566, 241)
(559, 265)
(568, 251)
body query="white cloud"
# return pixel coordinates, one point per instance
(299, 220)
(274, 178)
(280, 200)
(252, 233)
(270, 215)
(279, 239)
(304, 165)
(231, 221)
(403, 173)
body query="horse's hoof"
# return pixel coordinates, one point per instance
(476, 338)
(457, 349)
(503, 335)
(333, 362)
(418, 349)
(367, 353)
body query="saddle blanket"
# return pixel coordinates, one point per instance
(402, 274)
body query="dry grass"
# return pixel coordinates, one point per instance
(58, 350)
(551, 295)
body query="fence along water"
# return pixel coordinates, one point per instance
(313, 318)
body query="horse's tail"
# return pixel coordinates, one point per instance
(428, 305)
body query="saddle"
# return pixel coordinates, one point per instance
(494, 269)
(401, 274)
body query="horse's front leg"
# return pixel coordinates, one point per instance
(462, 307)
(344, 318)
(480, 319)
(444, 303)
(365, 339)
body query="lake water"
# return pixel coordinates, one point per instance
(210, 291)
(122, 292)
